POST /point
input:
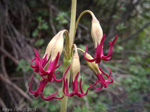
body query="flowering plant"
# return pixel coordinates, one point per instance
(47, 65)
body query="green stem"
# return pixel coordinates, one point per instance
(68, 57)
(72, 23)
(86, 11)
(65, 99)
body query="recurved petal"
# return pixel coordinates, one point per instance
(90, 60)
(30, 86)
(50, 97)
(110, 51)
(58, 80)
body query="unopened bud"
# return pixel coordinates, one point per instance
(50, 46)
(55, 45)
(75, 66)
(96, 31)
(58, 47)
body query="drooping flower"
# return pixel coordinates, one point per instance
(99, 55)
(47, 65)
(75, 69)
(48, 76)
(103, 81)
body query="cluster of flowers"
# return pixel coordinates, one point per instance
(47, 65)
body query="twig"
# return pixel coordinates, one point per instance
(50, 18)
(4, 70)
(2, 103)
(136, 33)
(9, 55)
(11, 84)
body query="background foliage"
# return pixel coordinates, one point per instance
(26, 24)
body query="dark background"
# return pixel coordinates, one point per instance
(29, 24)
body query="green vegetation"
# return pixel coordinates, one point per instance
(130, 63)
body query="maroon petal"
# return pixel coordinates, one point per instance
(32, 63)
(50, 97)
(81, 86)
(65, 87)
(44, 61)
(82, 93)
(37, 55)
(59, 65)
(102, 80)
(108, 76)
(90, 60)
(42, 72)
(100, 88)
(53, 64)
(30, 86)
(102, 41)
(37, 61)
(66, 90)
(99, 49)
(105, 73)
(40, 88)
(58, 80)
(106, 58)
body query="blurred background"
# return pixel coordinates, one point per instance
(29, 24)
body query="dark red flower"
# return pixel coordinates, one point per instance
(51, 69)
(75, 88)
(99, 51)
(40, 64)
(102, 81)
(47, 75)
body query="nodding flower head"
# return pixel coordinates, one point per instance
(99, 55)
(75, 69)
(99, 74)
(47, 65)
(96, 31)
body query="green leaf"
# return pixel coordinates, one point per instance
(121, 26)
(39, 42)
(35, 33)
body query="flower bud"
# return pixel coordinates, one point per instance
(75, 66)
(58, 46)
(96, 31)
(50, 46)
(55, 46)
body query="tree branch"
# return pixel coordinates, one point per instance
(135, 34)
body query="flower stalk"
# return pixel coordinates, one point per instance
(67, 59)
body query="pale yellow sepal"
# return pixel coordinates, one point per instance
(96, 31)
(55, 45)
(75, 66)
